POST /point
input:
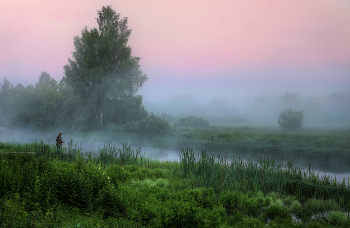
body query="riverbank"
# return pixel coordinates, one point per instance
(118, 187)
(325, 150)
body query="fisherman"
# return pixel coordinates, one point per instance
(59, 142)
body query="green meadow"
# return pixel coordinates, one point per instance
(120, 187)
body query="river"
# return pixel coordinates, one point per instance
(166, 148)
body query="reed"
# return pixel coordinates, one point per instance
(222, 172)
(266, 175)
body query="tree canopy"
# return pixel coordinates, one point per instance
(103, 70)
(99, 86)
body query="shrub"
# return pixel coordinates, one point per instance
(213, 217)
(338, 218)
(236, 218)
(192, 121)
(12, 212)
(70, 187)
(290, 120)
(109, 203)
(276, 209)
(117, 173)
(158, 173)
(232, 200)
(181, 214)
(161, 183)
(152, 124)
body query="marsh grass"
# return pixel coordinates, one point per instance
(121, 186)
(327, 149)
(266, 175)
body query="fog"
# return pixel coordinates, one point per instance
(230, 103)
(322, 109)
(230, 108)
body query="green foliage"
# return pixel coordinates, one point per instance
(303, 189)
(277, 209)
(47, 101)
(99, 86)
(152, 124)
(126, 110)
(68, 191)
(158, 173)
(12, 212)
(5, 95)
(37, 106)
(181, 214)
(192, 121)
(117, 173)
(339, 218)
(103, 71)
(109, 203)
(291, 120)
(235, 202)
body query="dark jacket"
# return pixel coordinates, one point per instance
(59, 141)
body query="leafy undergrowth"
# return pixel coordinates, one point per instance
(48, 191)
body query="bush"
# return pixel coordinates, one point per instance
(181, 214)
(117, 173)
(277, 209)
(338, 218)
(152, 124)
(290, 120)
(109, 203)
(192, 121)
(12, 212)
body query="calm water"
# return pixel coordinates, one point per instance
(163, 148)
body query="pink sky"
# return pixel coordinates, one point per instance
(186, 40)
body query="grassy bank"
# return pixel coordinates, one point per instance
(326, 148)
(117, 187)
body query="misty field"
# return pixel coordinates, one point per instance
(120, 187)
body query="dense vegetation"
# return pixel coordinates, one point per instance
(99, 86)
(117, 187)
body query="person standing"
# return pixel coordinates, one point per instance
(59, 141)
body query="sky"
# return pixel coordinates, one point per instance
(205, 48)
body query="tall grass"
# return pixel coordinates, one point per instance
(80, 179)
(224, 172)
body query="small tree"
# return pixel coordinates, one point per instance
(290, 119)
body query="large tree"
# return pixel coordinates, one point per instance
(103, 70)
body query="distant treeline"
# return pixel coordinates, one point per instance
(50, 103)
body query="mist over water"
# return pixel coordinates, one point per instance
(227, 103)
(165, 148)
